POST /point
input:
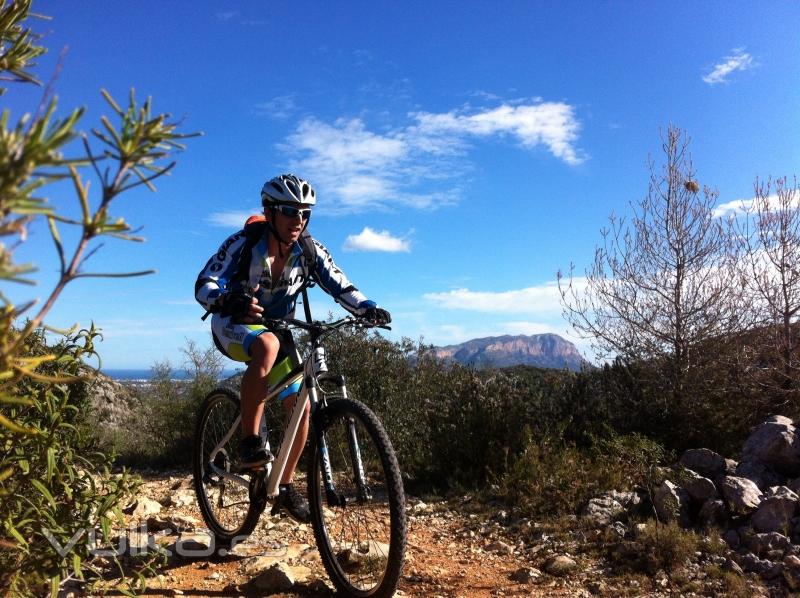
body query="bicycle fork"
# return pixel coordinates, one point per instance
(331, 495)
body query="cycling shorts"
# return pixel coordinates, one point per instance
(235, 340)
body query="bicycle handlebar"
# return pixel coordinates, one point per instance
(321, 327)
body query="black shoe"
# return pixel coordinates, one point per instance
(292, 502)
(253, 453)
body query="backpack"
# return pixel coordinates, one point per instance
(254, 229)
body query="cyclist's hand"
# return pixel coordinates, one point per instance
(242, 306)
(377, 316)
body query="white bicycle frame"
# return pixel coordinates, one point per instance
(313, 366)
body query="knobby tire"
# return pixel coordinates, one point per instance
(361, 544)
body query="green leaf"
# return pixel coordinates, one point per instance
(51, 462)
(13, 531)
(55, 583)
(45, 492)
(76, 565)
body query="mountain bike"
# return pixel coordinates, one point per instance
(355, 490)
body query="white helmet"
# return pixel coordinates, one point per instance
(288, 188)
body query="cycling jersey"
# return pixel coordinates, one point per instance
(278, 297)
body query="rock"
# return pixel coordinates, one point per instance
(774, 514)
(672, 503)
(525, 575)
(193, 546)
(596, 587)
(713, 513)
(794, 486)
(730, 467)
(741, 494)
(499, 548)
(601, 511)
(765, 542)
(705, 462)
(278, 578)
(144, 508)
(783, 492)
(620, 528)
(367, 551)
(758, 472)
(174, 522)
(791, 572)
(182, 499)
(560, 565)
(629, 500)
(731, 538)
(700, 488)
(752, 564)
(775, 443)
(732, 566)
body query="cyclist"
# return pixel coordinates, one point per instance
(249, 279)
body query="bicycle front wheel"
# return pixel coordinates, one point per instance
(361, 528)
(223, 495)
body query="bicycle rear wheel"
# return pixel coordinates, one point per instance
(361, 532)
(225, 503)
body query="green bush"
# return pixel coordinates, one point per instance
(165, 412)
(52, 484)
(553, 476)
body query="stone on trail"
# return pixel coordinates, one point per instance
(278, 578)
(560, 565)
(499, 547)
(526, 575)
(145, 507)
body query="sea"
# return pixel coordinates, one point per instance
(146, 374)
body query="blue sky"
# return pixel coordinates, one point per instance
(463, 153)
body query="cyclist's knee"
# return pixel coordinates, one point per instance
(264, 348)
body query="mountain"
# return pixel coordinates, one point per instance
(540, 350)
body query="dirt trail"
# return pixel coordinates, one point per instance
(450, 553)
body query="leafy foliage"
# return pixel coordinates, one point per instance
(52, 485)
(166, 412)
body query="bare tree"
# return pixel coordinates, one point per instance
(659, 290)
(770, 239)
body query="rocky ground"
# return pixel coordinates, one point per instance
(458, 547)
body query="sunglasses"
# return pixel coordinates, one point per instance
(292, 212)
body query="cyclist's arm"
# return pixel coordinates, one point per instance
(334, 282)
(218, 271)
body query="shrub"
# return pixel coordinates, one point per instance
(553, 476)
(51, 485)
(166, 411)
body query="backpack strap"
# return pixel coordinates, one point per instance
(253, 232)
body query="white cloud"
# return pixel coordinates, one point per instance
(231, 218)
(542, 299)
(279, 107)
(370, 240)
(552, 124)
(739, 60)
(227, 16)
(738, 207)
(362, 169)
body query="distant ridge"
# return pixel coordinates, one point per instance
(539, 350)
